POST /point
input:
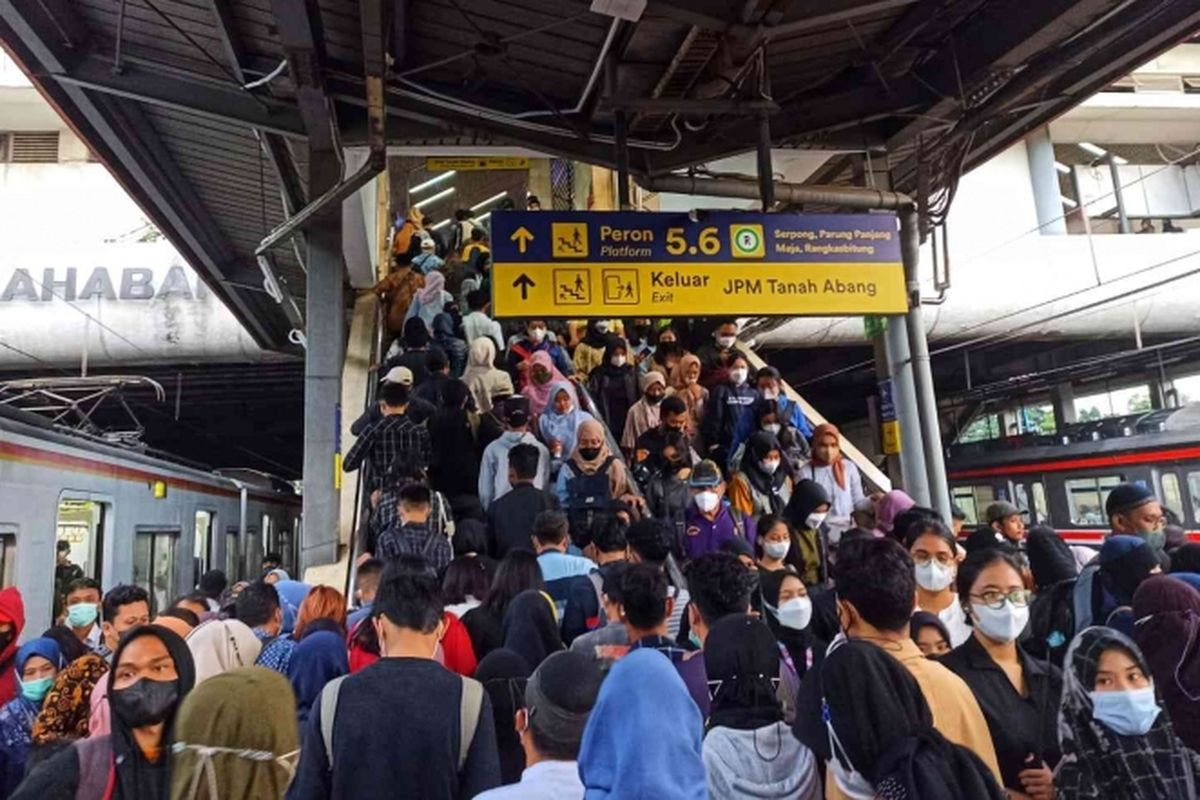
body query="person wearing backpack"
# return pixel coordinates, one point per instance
(585, 596)
(405, 724)
(559, 568)
(591, 478)
(412, 534)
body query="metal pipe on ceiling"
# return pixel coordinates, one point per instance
(794, 193)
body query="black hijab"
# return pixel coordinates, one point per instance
(743, 670)
(136, 776)
(613, 343)
(593, 337)
(503, 674)
(885, 729)
(530, 629)
(796, 642)
(1050, 557)
(757, 446)
(416, 335)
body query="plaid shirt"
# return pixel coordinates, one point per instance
(276, 653)
(390, 442)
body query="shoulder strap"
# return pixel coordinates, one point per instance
(431, 543)
(597, 581)
(739, 524)
(468, 717)
(329, 703)
(97, 773)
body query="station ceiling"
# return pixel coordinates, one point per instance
(206, 109)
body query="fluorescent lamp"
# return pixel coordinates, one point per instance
(442, 224)
(482, 217)
(489, 201)
(1118, 160)
(1068, 202)
(1063, 168)
(1100, 152)
(434, 181)
(433, 198)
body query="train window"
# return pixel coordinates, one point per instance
(8, 554)
(1021, 496)
(253, 553)
(1193, 479)
(202, 543)
(974, 500)
(81, 522)
(1172, 497)
(1040, 508)
(231, 554)
(269, 545)
(154, 565)
(1086, 496)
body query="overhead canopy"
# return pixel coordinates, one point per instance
(206, 109)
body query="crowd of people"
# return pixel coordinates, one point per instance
(599, 565)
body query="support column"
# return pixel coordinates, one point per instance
(325, 332)
(927, 410)
(1118, 195)
(1039, 150)
(539, 184)
(912, 456)
(1062, 400)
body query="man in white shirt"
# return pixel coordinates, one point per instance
(477, 323)
(558, 698)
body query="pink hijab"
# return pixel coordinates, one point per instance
(890, 506)
(539, 394)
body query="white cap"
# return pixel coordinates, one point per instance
(428, 244)
(401, 375)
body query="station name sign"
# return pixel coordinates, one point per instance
(71, 284)
(605, 264)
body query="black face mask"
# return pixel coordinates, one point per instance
(589, 453)
(654, 399)
(145, 702)
(6, 639)
(675, 465)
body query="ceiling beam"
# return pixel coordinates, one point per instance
(298, 26)
(231, 43)
(680, 105)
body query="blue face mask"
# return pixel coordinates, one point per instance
(36, 690)
(81, 615)
(1130, 712)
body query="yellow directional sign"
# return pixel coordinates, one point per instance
(522, 237)
(474, 163)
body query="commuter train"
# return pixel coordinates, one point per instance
(1064, 479)
(129, 516)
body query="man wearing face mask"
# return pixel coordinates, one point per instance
(646, 414)
(405, 724)
(536, 339)
(769, 384)
(83, 613)
(710, 520)
(717, 358)
(152, 672)
(1133, 510)
(727, 402)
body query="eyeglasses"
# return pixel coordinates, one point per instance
(995, 598)
(922, 558)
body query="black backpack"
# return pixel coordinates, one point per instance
(1052, 622)
(587, 494)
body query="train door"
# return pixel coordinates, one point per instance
(1030, 495)
(253, 553)
(154, 564)
(232, 572)
(83, 520)
(8, 554)
(202, 542)
(974, 500)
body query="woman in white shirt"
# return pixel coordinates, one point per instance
(931, 545)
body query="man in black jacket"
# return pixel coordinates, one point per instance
(510, 518)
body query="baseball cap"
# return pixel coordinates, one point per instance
(401, 375)
(516, 410)
(705, 475)
(1000, 510)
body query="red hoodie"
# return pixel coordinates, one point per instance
(12, 611)
(457, 653)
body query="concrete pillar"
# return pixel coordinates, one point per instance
(1062, 399)
(539, 183)
(1044, 179)
(912, 454)
(326, 334)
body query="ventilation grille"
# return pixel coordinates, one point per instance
(33, 148)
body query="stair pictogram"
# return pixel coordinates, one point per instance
(572, 287)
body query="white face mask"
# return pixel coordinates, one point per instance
(726, 342)
(739, 375)
(618, 361)
(933, 576)
(769, 467)
(1000, 624)
(770, 394)
(852, 782)
(777, 550)
(536, 335)
(814, 520)
(602, 327)
(773, 427)
(707, 501)
(795, 613)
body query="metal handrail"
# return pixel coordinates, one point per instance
(361, 502)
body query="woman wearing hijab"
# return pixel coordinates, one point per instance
(1051, 615)
(1125, 562)
(590, 456)
(537, 381)
(1117, 743)
(152, 673)
(644, 735)
(590, 352)
(481, 375)
(530, 629)
(929, 634)
(37, 663)
(222, 645)
(646, 413)
(685, 384)
(236, 737)
(454, 455)
(880, 738)
(447, 332)
(503, 674)
(788, 611)
(838, 474)
(1168, 631)
(558, 424)
(429, 301)
(749, 749)
(319, 658)
(890, 506)
(67, 708)
(613, 385)
(762, 485)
